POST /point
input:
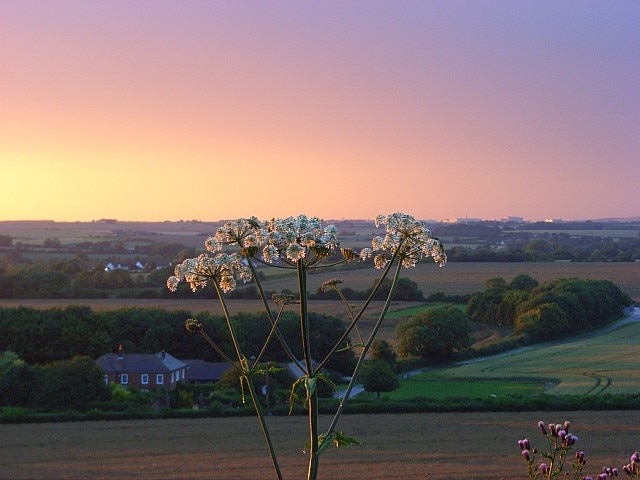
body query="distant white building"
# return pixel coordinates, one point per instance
(462, 220)
(110, 267)
(512, 219)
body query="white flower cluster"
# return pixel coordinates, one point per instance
(300, 239)
(409, 237)
(221, 268)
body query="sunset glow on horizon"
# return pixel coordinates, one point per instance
(159, 110)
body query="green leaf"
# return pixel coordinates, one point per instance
(339, 439)
(293, 395)
(310, 384)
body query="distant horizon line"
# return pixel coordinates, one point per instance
(451, 220)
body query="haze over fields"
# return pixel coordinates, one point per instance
(158, 110)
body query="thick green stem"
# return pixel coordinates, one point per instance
(310, 384)
(263, 425)
(304, 316)
(314, 454)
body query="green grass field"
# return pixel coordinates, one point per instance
(441, 387)
(600, 364)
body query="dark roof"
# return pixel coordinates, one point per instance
(160, 362)
(199, 370)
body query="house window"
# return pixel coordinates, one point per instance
(172, 378)
(159, 379)
(124, 378)
(144, 379)
(105, 378)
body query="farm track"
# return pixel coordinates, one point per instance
(598, 388)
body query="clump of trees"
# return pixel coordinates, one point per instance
(435, 334)
(555, 309)
(61, 385)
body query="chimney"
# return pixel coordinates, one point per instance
(120, 352)
(164, 354)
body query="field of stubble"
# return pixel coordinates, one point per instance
(472, 446)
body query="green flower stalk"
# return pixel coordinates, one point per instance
(302, 244)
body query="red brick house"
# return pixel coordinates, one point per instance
(144, 371)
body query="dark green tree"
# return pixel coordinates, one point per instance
(382, 350)
(434, 334)
(69, 384)
(377, 376)
(544, 322)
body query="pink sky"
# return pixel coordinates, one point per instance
(157, 110)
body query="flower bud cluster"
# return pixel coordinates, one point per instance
(607, 472)
(560, 442)
(580, 460)
(632, 469)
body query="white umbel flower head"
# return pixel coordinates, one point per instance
(221, 268)
(410, 238)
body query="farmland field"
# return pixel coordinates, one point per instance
(465, 278)
(452, 279)
(593, 365)
(473, 446)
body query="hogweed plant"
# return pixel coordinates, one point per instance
(560, 443)
(302, 244)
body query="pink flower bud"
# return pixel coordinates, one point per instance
(543, 429)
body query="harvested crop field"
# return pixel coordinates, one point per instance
(473, 446)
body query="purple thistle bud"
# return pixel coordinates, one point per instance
(566, 425)
(627, 469)
(580, 457)
(543, 429)
(552, 428)
(562, 433)
(544, 468)
(525, 455)
(614, 470)
(569, 440)
(635, 458)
